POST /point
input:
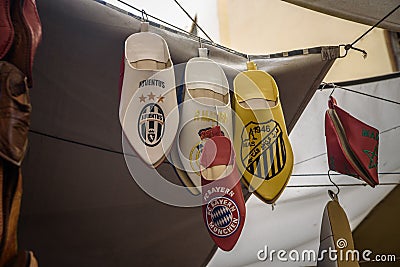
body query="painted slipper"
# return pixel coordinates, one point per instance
(15, 112)
(173, 158)
(24, 259)
(148, 108)
(6, 28)
(206, 104)
(266, 156)
(28, 33)
(335, 235)
(352, 145)
(224, 209)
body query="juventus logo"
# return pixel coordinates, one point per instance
(151, 124)
(267, 154)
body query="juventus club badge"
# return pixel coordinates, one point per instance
(151, 124)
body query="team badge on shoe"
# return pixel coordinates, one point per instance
(148, 107)
(224, 209)
(206, 104)
(266, 157)
(335, 235)
(352, 145)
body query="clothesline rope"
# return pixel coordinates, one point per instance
(322, 154)
(342, 185)
(336, 174)
(174, 29)
(193, 20)
(131, 155)
(347, 47)
(329, 86)
(375, 25)
(142, 11)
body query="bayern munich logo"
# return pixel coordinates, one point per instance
(222, 216)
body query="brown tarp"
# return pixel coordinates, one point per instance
(366, 12)
(80, 205)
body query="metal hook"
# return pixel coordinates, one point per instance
(333, 196)
(347, 47)
(346, 51)
(333, 90)
(323, 86)
(144, 16)
(216, 109)
(203, 51)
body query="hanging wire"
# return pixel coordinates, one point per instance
(335, 174)
(374, 26)
(347, 47)
(309, 159)
(322, 154)
(360, 93)
(216, 109)
(248, 195)
(333, 90)
(193, 21)
(341, 185)
(80, 143)
(144, 16)
(200, 42)
(324, 84)
(390, 129)
(175, 29)
(331, 193)
(141, 11)
(131, 155)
